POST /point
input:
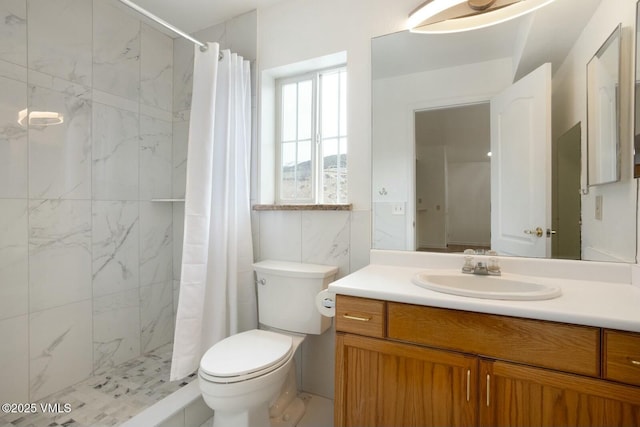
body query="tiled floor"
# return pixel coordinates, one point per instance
(110, 398)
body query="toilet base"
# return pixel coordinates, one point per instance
(291, 416)
(287, 408)
(254, 417)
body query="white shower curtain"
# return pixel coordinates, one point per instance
(217, 296)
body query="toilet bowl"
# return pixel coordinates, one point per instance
(248, 379)
(242, 377)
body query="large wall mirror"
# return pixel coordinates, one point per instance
(480, 140)
(603, 113)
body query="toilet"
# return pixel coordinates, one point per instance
(249, 379)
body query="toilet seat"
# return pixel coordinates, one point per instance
(245, 356)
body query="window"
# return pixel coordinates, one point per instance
(311, 138)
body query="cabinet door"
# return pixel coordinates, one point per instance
(515, 395)
(383, 383)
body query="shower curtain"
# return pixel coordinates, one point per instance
(217, 296)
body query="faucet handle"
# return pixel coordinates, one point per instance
(468, 261)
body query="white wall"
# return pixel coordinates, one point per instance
(289, 32)
(456, 199)
(469, 203)
(608, 239)
(431, 189)
(297, 30)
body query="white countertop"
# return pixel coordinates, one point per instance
(595, 303)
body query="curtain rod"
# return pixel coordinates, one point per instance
(132, 5)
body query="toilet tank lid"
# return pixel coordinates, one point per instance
(295, 269)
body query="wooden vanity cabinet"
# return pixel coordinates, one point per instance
(520, 395)
(385, 383)
(425, 366)
(621, 356)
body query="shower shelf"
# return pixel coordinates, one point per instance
(167, 200)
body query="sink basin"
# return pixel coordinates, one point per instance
(488, 287)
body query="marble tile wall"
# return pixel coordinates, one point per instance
(86, 258)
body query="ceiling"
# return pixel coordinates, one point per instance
(551, 31)
(193, 15)
(545, 35)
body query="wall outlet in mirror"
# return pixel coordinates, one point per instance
(599, 207)
(397, 209)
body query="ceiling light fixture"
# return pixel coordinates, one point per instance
(451, 16)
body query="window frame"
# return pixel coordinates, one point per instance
(338, 137)
(310, 76)
(317, 196)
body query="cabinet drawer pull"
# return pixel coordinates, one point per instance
(488, 389)
(358, 318)
(468, 384)
(635, 362)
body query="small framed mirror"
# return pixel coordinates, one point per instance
(603, 113)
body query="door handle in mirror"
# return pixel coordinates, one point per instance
(538, 232)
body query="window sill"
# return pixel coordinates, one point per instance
(302, 207)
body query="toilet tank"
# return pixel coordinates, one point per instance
(287, 292)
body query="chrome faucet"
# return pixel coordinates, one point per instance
(481, 268)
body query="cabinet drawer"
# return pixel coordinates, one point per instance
(622, 356)
(569, 348)
(360, 316)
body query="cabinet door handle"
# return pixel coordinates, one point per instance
(468, 384)
(358, 318)
(488, 389)
(635, 362)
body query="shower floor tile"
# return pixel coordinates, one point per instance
(110, 397)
